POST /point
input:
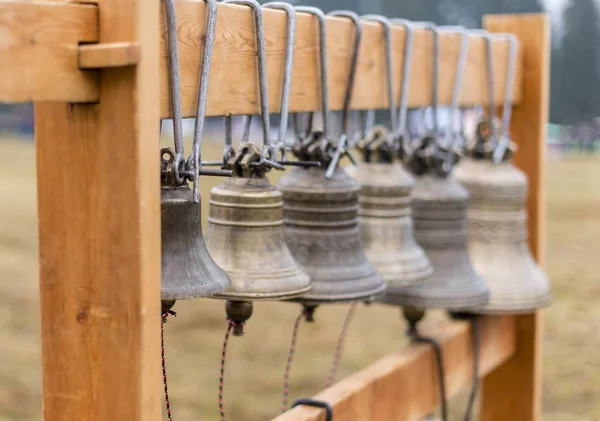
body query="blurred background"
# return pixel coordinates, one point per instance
(255, 364)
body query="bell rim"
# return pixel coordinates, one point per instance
(340, 298)
(259, 296)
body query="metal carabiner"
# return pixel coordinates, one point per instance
(505, 141)
(287, 73)
(341, 144)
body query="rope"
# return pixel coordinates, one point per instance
(340, 347)
(288, 365)
(230, 326)
(164, 365)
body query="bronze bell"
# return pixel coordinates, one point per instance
(439, 215)
(322, 232)
(245, 237)
(498, 246)
(385, 222)
(188, 271)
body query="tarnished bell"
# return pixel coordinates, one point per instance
(245, 237)
(322, 232)
(498, 237)
(439, 214)
(188, 271)
(386, 225)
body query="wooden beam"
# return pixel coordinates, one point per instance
(114, 54)
(41, 53)
(518, 381)
(39, 46)
(233, 87)
(99, 223)
(404, 385)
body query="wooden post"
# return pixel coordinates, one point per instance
(513, 390)
(98, 194)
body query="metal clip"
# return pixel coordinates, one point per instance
(317, 404)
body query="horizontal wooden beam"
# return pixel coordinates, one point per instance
(233, 87)
(404, 385)
(41, 59)
(39, 51)
(110, 54)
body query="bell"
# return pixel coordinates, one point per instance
(386, 226)
(322, 232)
(245, 237)
(439, 206)
(188, 271)
(498, 246)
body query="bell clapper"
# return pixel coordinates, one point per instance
(308, 311)
(238, 312)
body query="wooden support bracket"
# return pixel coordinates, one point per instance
(114, 54)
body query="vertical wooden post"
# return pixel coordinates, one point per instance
(98, 193)
(513, 390)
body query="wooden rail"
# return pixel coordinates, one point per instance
(40, 60)
(405, 385)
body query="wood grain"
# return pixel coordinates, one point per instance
(233, 87)
(98, 196)
(404, 385)
(38, 46)
(518, 381)
(114, 54)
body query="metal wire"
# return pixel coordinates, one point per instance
(174, 85)
(341, 144)
(290, 359)
(439, 359)
(211, 24)
(508, 89)
(318, 13)
(386, 25)
(340, 347)
(401, 131)
(287, 70)
(476, 357)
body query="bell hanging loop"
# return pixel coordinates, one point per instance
(245, 224)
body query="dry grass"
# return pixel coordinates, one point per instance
(256, 361)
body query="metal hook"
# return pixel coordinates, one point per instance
(175, 89)
(262, 79)
(318, 13)
(504, 141)
(449, 137)
(195, 157)
(287, 71)
(435, 71)
(341, 144)
(489, 59)
(386, 25)
(401, 130)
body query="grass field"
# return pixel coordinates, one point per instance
(256, 361)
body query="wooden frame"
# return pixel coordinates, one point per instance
(99, 200)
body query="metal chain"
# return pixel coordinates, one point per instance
(164, 365)
(340, 346)
(290, 359)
